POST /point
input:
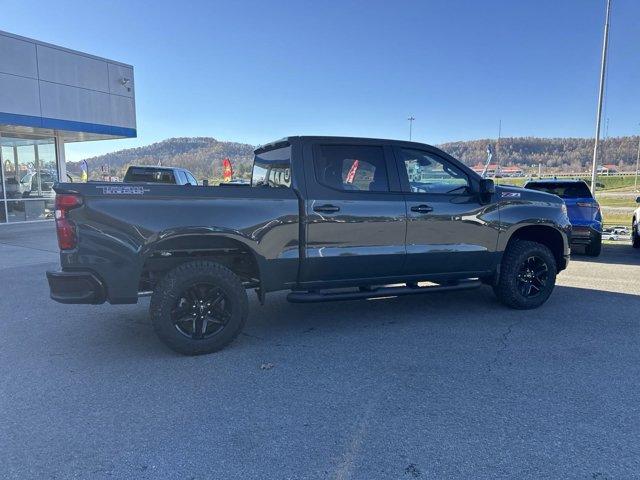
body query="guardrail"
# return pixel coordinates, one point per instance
(568, 175)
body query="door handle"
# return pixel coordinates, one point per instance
(326, 208)
(422, 208)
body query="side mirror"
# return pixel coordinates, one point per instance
(205, 182)
(487, 186)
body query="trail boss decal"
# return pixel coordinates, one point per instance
(510, 195)
(121, 189)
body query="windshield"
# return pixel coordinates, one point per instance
(562, 189)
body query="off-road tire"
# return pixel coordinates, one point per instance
(635, 237)
(595, 247)
(168, 291)
(517, 253)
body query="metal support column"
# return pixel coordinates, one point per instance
(60, 159)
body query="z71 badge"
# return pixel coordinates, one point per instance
(122, 189)
(510, 195)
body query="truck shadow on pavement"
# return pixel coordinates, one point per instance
(470, 309)
(612, 253)
(454, 316)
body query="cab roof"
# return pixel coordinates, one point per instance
(333, 139)
(557, 180)
(157, 167)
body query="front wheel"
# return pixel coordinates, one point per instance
(198, 307)
(635, 235)
(527, 275)
(595, 247)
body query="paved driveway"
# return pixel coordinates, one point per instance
(437, 386)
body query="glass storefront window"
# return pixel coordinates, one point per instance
(30, 210)
(29, 170)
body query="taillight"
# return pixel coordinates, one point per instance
(65, 228)
(588, 204)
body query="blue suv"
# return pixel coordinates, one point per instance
(583, 211)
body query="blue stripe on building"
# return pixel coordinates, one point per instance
(70, 125)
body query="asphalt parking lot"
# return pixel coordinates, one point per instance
(448, 385)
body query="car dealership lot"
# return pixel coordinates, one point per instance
(434, 386)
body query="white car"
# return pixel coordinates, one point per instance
(635, 227)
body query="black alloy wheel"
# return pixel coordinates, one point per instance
(532, 276)
(198, 307)
(527, 274)
(201, 311)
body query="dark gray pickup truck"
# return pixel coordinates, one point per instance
(326, 218)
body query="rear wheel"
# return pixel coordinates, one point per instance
(527, 275)
(198, 307)
(595, 247)
(635, 235)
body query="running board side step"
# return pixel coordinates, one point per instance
(310, 297)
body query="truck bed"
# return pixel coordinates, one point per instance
(125, 228)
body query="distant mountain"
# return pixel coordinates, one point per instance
(203, 155)
(568, 154)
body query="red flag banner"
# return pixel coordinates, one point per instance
(352, 172)
(227, 171)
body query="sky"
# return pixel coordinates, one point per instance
(256, 71)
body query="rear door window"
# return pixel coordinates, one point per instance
(182, 178)
(562, 189)
(352, 168)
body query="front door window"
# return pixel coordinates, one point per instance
(429, 174)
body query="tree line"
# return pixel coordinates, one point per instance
(203, 156)
(555, 154)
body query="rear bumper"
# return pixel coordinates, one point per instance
(584, 235)
(75, 287)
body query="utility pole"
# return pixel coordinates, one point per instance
(605, 44)
(411, 119)
(605, 143)
(637, 163)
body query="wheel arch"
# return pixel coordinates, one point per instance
(544, 234)
(171, 249)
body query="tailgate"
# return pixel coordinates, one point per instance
(581, 210)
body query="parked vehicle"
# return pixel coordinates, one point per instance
(326, 218)
(32, 184)
(583, 210)
(635, 227)
(151, 174)
(39, 185)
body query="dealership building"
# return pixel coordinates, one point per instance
(51, 96)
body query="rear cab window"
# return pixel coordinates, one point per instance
(272, 168)
(149, 175)
(562, 189)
